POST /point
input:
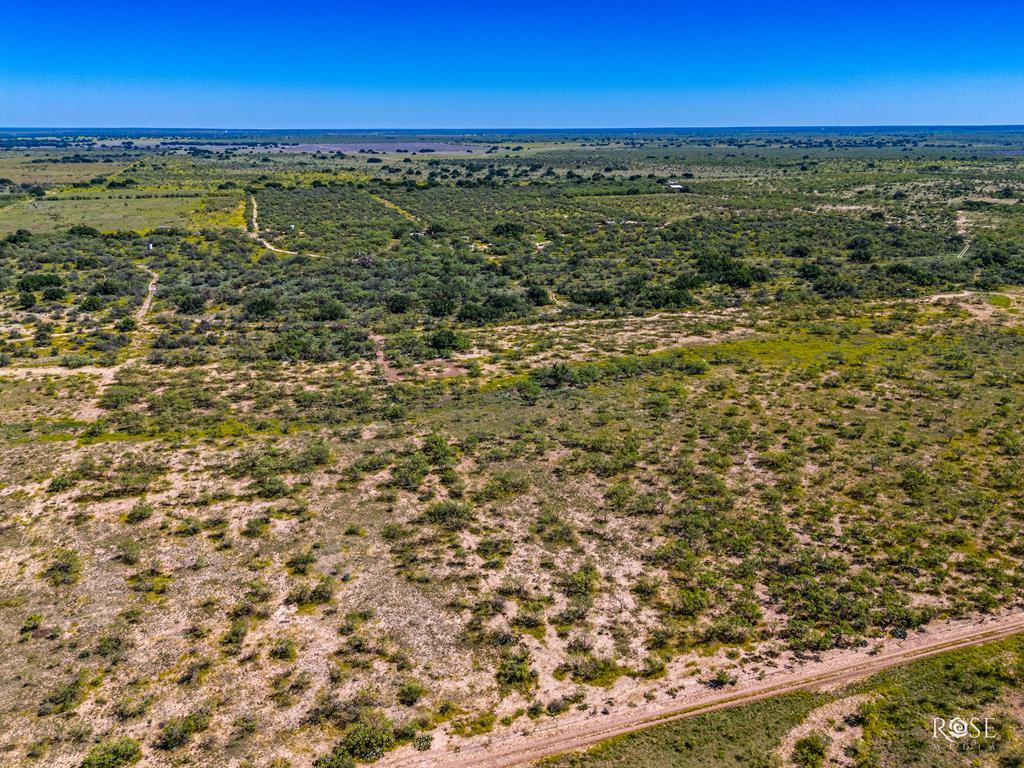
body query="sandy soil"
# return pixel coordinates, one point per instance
(961, 223)
(974, 303)
(143, 310)
(389, 371)
(104, 376)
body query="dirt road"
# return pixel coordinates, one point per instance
(397, 209)
(577, 731)
(255, 234)
(140, 313)
(104, 376)
(389, 372)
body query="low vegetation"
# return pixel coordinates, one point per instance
(353, 457)
(892, 726)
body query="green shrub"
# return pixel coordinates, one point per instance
(409, 473)
(244, 726)
(284, 650)
(268, 486)
(37, 281)
(450, 515)
(64, 569)
(113, 753)
(195, 672)
(305, 595)
(444, 341)
(32, 622)
(131, 709)
(370, 740)
(423, 742)
(721, 679)
(287, 686)
(514, 669)
(316, 454)
(337, 758)
(255, 527)
(811, 750)
(409, 693)
(66, 697)
(298, 564)
(139, 512)
(235, 636)
(505, 484)
(439, 451)
(179, 730)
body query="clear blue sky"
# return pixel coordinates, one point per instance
(522, 64)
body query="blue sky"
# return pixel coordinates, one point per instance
(525, 64)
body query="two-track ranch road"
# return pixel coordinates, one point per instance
(140, 313)
(255, 234)
(565, 735)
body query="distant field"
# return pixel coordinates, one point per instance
(22, 170)
(120, 212)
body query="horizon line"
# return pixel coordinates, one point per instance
(485, 129)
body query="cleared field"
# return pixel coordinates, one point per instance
(114, 212)
(36, 168)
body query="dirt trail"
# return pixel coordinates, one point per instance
(140, 313)
(625, 320)
(577, 731)
(397, 209)
(390, 372)
(104, 376)
(963, 230)
(255, 234)
(961, 223)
